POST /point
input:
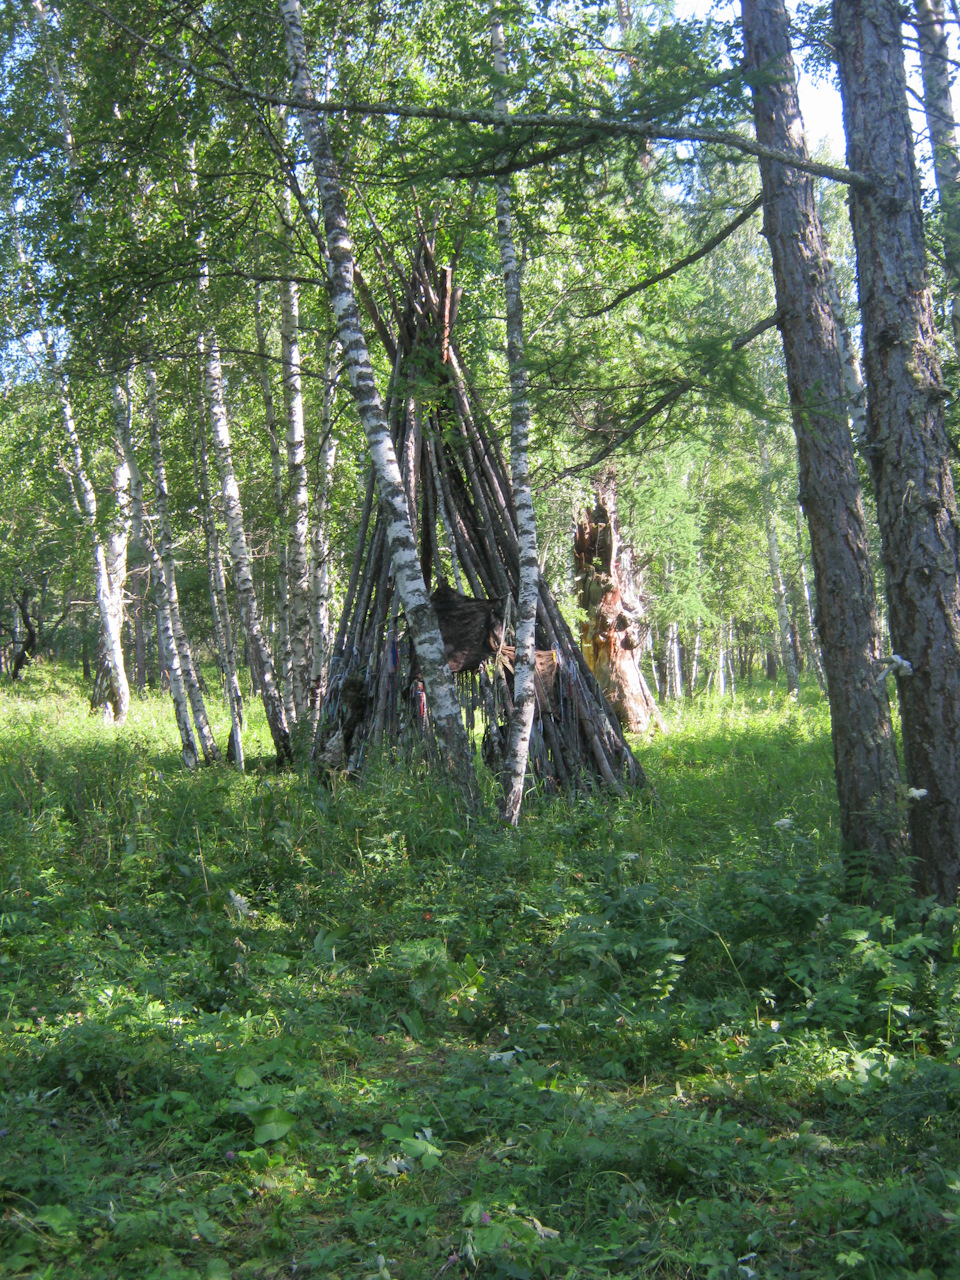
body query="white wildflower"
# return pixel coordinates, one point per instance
(784, 824)
(916, 793)
(240, 904)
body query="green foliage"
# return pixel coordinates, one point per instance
(249, 1023)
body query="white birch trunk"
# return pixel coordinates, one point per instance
(525, 695)
(320, 576)
(111, 648)
(165, 636)
(239, 553)
(444, 704)
(297, 513)
(776, 577)
(219, 606)
(167, 568)
(283, 649)
(814, 650)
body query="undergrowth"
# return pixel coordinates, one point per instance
(252, 1026)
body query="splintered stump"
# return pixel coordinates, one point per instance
(612, 635)
(460, 502)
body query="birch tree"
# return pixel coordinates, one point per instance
(444, 704)
(525, 694)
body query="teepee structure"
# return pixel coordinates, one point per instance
(463, 518)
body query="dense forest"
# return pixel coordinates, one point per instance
(480, 638)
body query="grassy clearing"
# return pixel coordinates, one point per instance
(252, 1027)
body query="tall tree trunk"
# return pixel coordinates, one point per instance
(167, 570)
(283, 649)
(320, 577)
(865, 759)
(444, 704)
(524, 682)
(776, 577)
(217, 586)
(907, 444)
(813, 644)
(239, 552)
(110, 646)
(937, 68)
(165, 633)
(298, 523)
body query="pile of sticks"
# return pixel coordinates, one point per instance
(462, 513)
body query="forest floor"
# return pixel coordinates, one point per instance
(252, 1027)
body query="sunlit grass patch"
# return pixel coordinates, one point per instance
(252, 1023)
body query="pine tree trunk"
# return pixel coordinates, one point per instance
(907, 444)
(524, 680)
(444, 704)
(239, 553)
(937, 68)
(822, 378)
(776, 577)
(297, 514)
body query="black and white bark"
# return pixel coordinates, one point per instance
(906, 443)
(822, 380)
(444, 704)
(321, 579)
(525, 694)
(219, 605)
(140, 533)
(297, 496)
(166, 570)
(284, 651)
(239, 552)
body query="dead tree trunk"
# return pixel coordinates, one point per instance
(614, 631)
(907, 444)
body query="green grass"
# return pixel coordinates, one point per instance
(250, 1026)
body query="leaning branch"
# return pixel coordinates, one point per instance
(708, 246)
(606, 126)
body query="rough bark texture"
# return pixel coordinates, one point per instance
(907, 444)
(441, 692)
(612, 635)
(776, 577)
(864, 753)
(524, 681)
(937, 67)
(239, 553)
